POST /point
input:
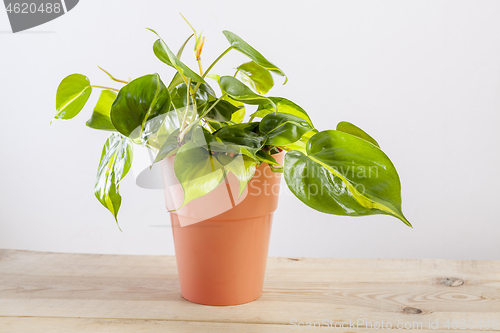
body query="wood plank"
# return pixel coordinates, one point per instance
(83, 325)
(115, 287)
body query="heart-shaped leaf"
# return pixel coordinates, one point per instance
(257, 76)
(240, 92)
(72, 94)
(100, 118)
(198, 171)
(352, 129)
(242, 46)
(137, 109)
(344, 175)
(116, 159)
(282, 128)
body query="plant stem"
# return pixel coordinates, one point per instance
(213, 105)
(189, 26)
(184, 120)
(112, 77)
(102, 87)
(211, 66)
(216, 61)
(188, 127)
(200, 67)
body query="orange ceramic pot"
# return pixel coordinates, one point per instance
(221, 258)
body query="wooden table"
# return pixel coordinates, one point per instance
(55, 292)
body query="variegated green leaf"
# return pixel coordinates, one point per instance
(72, 94)
(256, 76)
(344, 175)
(116, 159)
(282, 129)
(240, 92)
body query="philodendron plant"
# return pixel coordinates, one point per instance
(341, 171)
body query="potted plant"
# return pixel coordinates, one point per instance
(221, 172)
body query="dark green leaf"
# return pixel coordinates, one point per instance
(352, 129)
(237, 116)
(116, 159)
(100, 117)
(239, 139)
(139, 106)
(241, 136)
(344, 175)
(264, 156)
(282, 128)
(257, 76)
(72, 94)
(222, 111)
(204, 94)
(240, 92)
(242, 46)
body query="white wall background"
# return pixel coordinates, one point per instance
(422, 77)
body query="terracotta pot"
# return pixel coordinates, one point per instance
(222, 259)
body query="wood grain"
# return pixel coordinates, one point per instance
(108, 293)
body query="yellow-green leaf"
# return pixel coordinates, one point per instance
(100, 118)
(342, 174)
(72, 94)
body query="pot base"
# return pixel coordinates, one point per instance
(222, 262)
